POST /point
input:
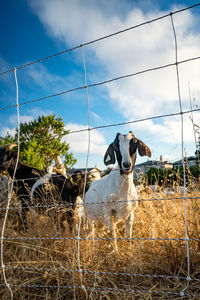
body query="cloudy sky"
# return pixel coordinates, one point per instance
(35, 29)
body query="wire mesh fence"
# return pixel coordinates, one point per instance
(160, 260)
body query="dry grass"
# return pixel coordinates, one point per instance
(153, 219)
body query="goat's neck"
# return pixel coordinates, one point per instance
(125, 182)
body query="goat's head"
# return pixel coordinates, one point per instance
(79, 179)
(124, 149)
(7, 156)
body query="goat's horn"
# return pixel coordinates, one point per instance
(9, 147)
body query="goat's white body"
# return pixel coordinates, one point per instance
(109, 200)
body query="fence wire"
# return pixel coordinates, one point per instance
(183, 160)
(11, 189)
(61, 205)
(116, 290)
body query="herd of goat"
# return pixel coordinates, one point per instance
(110, 199)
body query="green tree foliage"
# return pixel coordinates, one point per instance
(41, 142)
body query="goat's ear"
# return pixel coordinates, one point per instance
(143, 149)
(109, 157)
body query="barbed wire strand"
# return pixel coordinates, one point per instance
(136, 121)
(93, 272)
(117, 290)
(100, 39)
(57, 238)
(102, 82)
(183, 160)
(11, 189)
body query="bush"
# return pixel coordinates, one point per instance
(169, 177)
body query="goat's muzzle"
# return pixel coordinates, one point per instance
(126, 168)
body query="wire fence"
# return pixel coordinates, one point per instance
(184, 290)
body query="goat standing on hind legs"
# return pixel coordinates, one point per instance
(111, 198)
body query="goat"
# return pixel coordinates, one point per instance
(61, 190)
(25, 177)
(113, 198)
(58, 187)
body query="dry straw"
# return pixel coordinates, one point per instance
(158, 267)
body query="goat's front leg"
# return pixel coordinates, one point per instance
(108, 223)
(111, 225)
(114, 227)
(129, 225)
(93, 231)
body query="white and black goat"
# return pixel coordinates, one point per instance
(111, 199)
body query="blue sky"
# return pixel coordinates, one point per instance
(34, 29)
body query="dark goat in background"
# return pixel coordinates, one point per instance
(25, 177)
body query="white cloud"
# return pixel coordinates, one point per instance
(169, 131)
(6, 130)
(79, 141)
(75, 22)
(41, 76)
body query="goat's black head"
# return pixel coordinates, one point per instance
(124, 148)
(7, 156)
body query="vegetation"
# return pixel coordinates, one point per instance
(42, 263)
(48, 268)
(41, 141)
(170, 177)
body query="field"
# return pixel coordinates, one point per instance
(153, 265)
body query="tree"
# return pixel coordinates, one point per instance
(41, 142)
